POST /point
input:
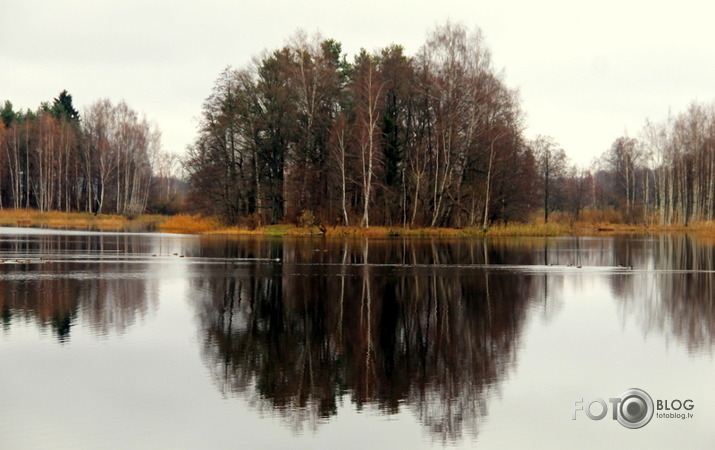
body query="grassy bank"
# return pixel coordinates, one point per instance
(204, 225)
(198, 224)
(78, 220)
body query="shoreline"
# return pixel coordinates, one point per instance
(201, 225)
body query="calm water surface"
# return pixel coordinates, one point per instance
(162, 341)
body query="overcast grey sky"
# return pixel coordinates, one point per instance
(587, 72)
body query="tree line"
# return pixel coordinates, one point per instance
(303, 135)
(433, 139)
(665, 175)
(107, 160)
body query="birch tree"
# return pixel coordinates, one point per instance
(368, 91)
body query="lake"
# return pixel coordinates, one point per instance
(112, 340)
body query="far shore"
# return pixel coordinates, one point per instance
(198, 224)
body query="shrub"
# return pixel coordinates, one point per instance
(306, 219)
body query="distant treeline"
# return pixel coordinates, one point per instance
(667, 174)
(107, 160)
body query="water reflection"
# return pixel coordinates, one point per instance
(58, 281)
(423, 325)
(674, 294)
(301, 327)
(296, 337)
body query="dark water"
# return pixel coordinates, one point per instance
(161, 341)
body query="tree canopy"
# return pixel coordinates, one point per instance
(433, 139)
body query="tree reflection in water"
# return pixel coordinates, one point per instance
(58, 282)
(299, 336)
(427, 326)
(424, 325)
(675, 295)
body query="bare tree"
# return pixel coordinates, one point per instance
(551, 163)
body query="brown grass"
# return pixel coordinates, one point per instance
(206, 225)
(387, 232)
(77, 220)
(591, 224)
(531, 229)
(189, 224)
